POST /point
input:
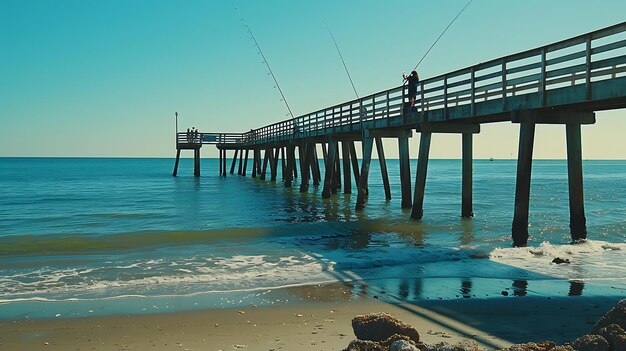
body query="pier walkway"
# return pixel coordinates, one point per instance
(561, 83)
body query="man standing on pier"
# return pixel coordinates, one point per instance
(411, 81)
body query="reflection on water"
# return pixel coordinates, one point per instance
(576, 288)
(520, 287)
(417, 290)
(467, 231)
(466, 288)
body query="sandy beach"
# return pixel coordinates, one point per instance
(315, 323)
(325, 326)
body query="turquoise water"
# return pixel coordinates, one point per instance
(82, 236)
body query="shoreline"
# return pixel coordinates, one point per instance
(319, 326)
(321, 320)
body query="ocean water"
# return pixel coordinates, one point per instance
(94, 236)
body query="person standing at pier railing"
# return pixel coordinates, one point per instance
(411, 81)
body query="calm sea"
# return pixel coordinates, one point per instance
(83, 236)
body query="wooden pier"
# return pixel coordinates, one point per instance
(563, 83)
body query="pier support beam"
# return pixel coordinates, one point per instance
(196, 162)
(329, 175)
(176, 163)
(266, 159)
(258, 163)
(309, 152)
(291, 164)
(234, 163)
(245, 164)
(316, 174)
(255, 156)
(577, 222)
(345, 154)
(337, 174)
(301, 157)
(224, 164)
(383, 167)
(368, 143)
(522, 184)
(466, 183)
(240, 162)
(295, 168)
(274, 164)
(405, 171)
(283, 166)
(220, 160)
(355, 163)
(420, 176)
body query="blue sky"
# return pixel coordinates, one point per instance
(104, 78)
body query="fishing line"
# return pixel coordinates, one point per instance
(442, 33)
(256, 44)
(342, 61)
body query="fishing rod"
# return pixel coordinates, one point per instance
(442, 33)
(256, 44)
(342, 61)
(362, 110)
(284, 99)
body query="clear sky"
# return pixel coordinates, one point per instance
(104, 78)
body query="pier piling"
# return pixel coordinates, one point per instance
(337, 173)
(466, 182)
(234, 162)
(368, 143)
(578, 226)
(355, 163)
(255, 156)
(405, 171)
(291, 164)
(220, 160)
(420, 176)
(383, 167)
(176, 163)
(345, 154)
(245, 163)
(522, 184)
(266, 159)
(224, 164)
(330, 170)
(240, 168)
(309, 152)
(273, 163)
(316, 174)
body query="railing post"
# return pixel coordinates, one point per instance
(445, 97)
(373, 107)
(422, 96)
(388, 108)
(361, 114)
(504, 85)
(473, 91)
(588, 69)
(542, 82)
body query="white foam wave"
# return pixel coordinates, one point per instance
(176, 277)
(588, 260)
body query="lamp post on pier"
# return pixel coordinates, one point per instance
(176, 132)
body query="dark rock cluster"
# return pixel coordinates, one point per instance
(382, 332)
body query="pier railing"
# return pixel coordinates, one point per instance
(189, 139)
(530, 79)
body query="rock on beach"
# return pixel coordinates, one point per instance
(381, 326)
